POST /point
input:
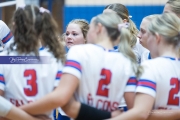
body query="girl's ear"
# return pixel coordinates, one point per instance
(99, 28)
(158, 38)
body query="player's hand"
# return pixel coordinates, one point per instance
(116, 113)
(42, 117)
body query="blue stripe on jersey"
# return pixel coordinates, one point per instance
(7, 37)
(147, 83)
(171, 58)
(132, 81)
(113, 50)
(41, 48)
(58, 75)
(74, 64)
(2, 79)
(149, 56)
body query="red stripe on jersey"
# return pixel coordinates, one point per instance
(58, 75)
(7, 38)
(132, 81)
(2, 79)
(147, 83)
(73, 64)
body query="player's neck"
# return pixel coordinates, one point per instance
(169, 51)
(105, 43)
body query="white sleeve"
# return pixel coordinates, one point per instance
(73, 62)
(2, 80)
(58, 74)
(6, 34)
(147, 82)
(132, 80)
(131, 84)
(58, 77)
(5, 107)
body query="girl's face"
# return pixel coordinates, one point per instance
(74, 35)
(143, 33)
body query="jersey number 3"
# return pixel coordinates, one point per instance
(106, 79)
(31, 81)
(174, 100)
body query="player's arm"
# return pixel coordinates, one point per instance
(81, 111)
(129, 93)
(9, 111)
(129, 98)
(53, 100)
(1, 92)
(140, 111)
(164, 115)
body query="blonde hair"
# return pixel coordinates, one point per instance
(175, 6)
(110, 21)
(122, 11)
(83, 24)
(168, 26)
(151, 17)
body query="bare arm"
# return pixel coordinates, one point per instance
(18, 114)
(1, 92)
(129, 98)
(142, 107)
(164, 115)
(58, 98)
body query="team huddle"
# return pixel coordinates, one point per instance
(94, 69)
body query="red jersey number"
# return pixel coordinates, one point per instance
(174, 100)
(102, 90)
(31, 73)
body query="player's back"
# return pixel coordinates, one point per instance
(24, 83)
(103, 75)
(165, 75)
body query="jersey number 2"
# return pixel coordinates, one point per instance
(31, 73)
(102, 90)
(172, 99)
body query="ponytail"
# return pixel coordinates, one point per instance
(134, 31)
(126, 50)
(50, 37)
(25, 38)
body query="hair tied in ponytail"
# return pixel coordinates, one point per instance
(42, 10)
(123, 25)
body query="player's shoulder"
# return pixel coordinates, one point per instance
(44, 52)
(153, 63)
(3, 25)
(84, 48)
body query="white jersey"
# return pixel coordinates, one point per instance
(6, 36)
(24, 83)
(145, 56)
(5, 107)
(104, 75)
(138, 49)
(161, 80)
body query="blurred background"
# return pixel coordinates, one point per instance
(65, 10)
